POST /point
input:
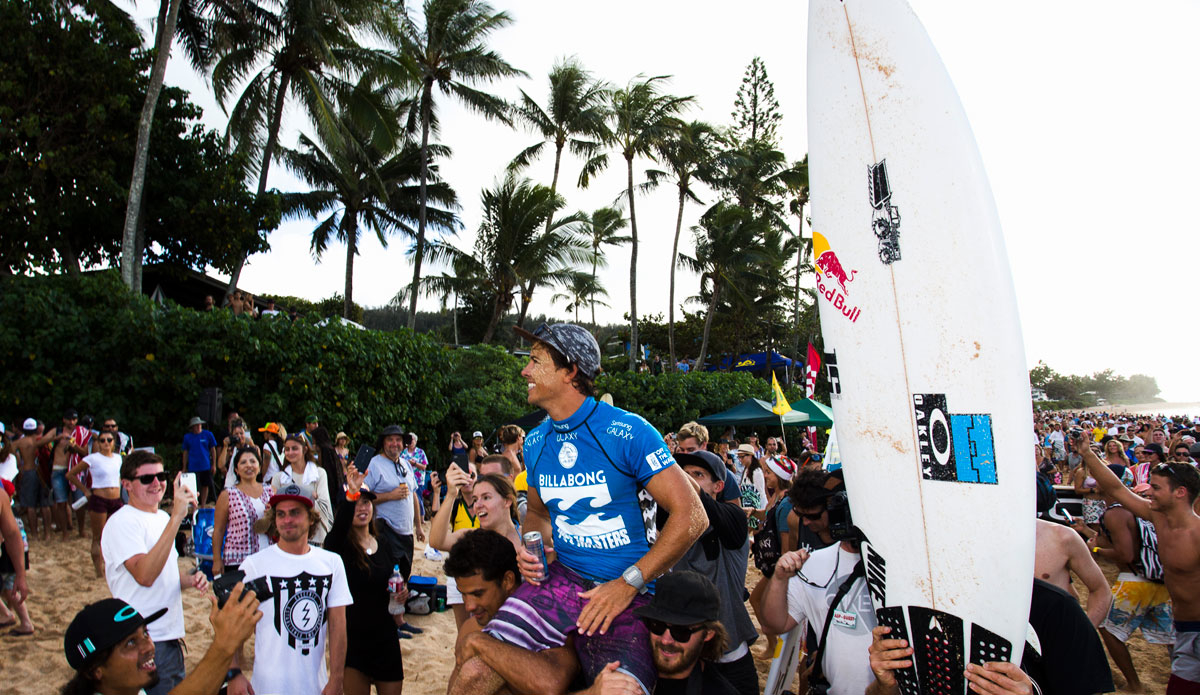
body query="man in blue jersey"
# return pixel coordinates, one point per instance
(595, 474)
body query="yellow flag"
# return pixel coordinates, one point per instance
(779, 404)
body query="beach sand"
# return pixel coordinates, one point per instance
(62, 581)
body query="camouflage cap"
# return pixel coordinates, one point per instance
(574, 343)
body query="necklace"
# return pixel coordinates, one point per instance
(371, 546)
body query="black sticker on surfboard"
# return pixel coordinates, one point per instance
(937, 642)
(893, 617)
(831, 371)
(885, 218)
(988, 646)
(953, 447)
(876, 575)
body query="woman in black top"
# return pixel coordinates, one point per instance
(372, 648)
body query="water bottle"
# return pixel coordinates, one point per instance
(395, 586)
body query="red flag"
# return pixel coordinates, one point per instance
(810, 382)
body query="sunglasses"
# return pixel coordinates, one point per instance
(150, 478)
(810, 517)
(104, 439)
(679, 633)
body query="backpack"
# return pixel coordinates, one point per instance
(767, 545)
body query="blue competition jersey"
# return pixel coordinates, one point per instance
(589, 470)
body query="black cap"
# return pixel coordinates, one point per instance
(682, 598)
(575, 343)
(99, 626)
(706, 460)
(70, 414)
(1155, 448)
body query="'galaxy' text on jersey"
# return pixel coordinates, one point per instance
(589, 470)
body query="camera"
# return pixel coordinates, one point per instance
(223, 587)
(841, 524)
(1076, 433)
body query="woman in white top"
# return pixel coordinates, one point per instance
(8, 458)
(272, 449)
(300, 469)
(233, 445)
(238, 507)
(104, 493)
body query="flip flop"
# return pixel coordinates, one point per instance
(18, 633)
(10, 623)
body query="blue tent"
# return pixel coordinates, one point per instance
(750, 362)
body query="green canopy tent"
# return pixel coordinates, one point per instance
(753, 411)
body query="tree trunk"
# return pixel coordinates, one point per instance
(526, 298)
(634, 349)
(426, 96)
(796, 298)
(350, 219)
(595, 253)
(674, 255)
(70, 258)
(497, 312)
(139, 252)
(131, 262)
(265, 168)
(712, 310)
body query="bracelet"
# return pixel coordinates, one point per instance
(232, 673)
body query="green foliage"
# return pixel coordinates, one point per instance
(756, 114)
(1073, 388)
(670, 399)
(72, 81)
(330, 306)
(103, 350)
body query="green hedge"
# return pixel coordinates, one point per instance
(87, 342)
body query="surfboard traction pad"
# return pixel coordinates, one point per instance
(936, 639)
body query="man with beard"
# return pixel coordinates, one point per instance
(391, 478)
(686, 637)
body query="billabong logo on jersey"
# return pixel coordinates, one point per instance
(658, 458)
(567, 455)
(300, 609)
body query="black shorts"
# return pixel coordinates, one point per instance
(204, 481)
(400, 545)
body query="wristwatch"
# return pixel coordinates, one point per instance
(633, 577)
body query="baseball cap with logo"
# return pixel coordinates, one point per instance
(101, 625)
(30, 425)
(575, 343)
(294, 493)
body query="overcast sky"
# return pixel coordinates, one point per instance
(1084, 112)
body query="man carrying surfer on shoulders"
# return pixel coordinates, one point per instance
(1173, 490)
(587, 463)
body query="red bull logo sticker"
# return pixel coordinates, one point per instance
(833, 278)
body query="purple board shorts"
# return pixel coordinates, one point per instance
(540, 617)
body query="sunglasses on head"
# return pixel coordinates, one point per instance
(679, 633)
(161, 476)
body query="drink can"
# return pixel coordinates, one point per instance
(534, 544)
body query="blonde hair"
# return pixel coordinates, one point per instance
(694, 430)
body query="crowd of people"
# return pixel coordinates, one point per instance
(589, 554)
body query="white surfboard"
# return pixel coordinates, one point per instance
(920, 325)
(785, 662)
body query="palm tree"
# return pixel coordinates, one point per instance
(511, 246)
(450, 51)
(799, 190)
(364, 179)
(688, 152)
(642, 117)
(581, 289)
(728, 257)
(757, 177)
(602, 228)
(298, 49)
(176, 19)
(576, 116)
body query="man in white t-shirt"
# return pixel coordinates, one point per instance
(306, 609)
(141, 564)
(794, 595)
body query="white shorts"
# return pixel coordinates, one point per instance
(453, 598)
